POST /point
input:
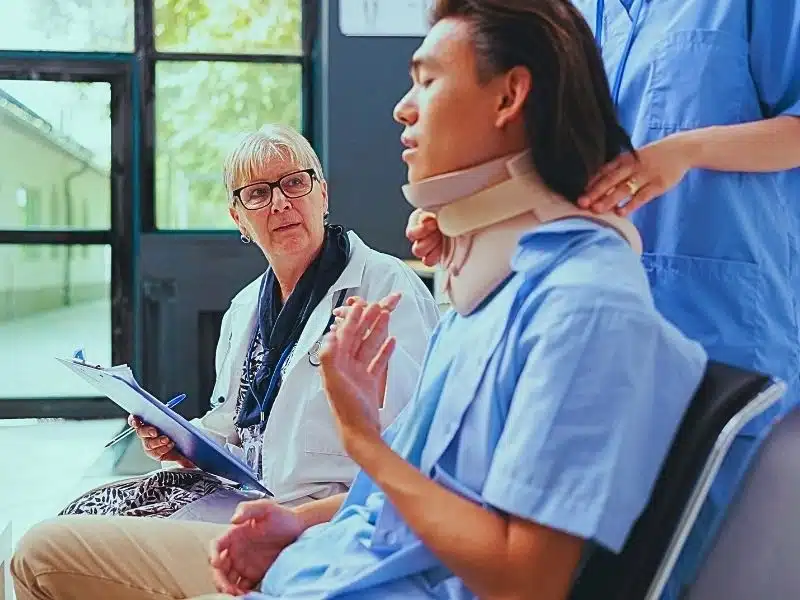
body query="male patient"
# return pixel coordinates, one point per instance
(549, 396)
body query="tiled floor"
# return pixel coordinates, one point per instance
(44, 465)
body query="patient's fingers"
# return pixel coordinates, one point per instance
(420, 225)
(218, 556)
(224, 584)
(388, 302)
(381, 361)
(346, 332)
(428, 247)
(360, 329)
(246, 584)
(341, 311)
(222, 566)
(391, 301)
(231, 576)
(257, 510)
(374, 338)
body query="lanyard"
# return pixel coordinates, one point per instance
(598, 36)
(313, 354)
(273, 381)
(287, 352)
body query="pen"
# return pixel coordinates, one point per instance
(171, 404)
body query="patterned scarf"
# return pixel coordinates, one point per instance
(280, 325)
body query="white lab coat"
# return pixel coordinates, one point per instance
(302, 456)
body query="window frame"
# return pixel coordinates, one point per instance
(148, 56)
(116, 70)
(132, 179)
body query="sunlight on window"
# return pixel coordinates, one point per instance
(67, 25)
(201, 109)
(49, 302)
(238, 26)
(55, 139)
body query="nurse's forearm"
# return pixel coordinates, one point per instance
(497, 556)
(759, 147)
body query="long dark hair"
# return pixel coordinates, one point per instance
(570, 117)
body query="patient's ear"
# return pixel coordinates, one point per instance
(514, 88)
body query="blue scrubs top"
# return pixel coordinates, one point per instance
(555, 401)
(721, 248)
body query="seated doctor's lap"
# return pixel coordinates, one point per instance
(268, 390)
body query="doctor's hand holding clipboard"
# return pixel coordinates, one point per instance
(156, 446)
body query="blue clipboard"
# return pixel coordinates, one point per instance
(119, 385)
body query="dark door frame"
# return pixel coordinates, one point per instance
(118, 71)
(132, 79)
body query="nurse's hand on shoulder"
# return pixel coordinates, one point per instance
(659, 167)
(240, 557)
(427, 242)
(158, 447)
(353, 362)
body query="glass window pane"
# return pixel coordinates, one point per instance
(55, 140)
(53, 299)
(235, 26)
(67, 25)
(201, 110)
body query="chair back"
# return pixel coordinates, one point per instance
(727, 399)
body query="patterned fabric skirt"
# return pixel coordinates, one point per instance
(158, 494)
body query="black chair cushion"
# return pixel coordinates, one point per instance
(724, 392)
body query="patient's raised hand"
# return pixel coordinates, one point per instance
(389, 303)
(353, 361)
(241, 556)
(427, 242)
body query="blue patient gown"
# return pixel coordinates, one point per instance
(721, 249)
(555, 401)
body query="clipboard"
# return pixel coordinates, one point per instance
(119, 385)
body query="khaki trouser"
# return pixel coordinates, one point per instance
(115, 558)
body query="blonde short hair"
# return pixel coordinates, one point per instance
(271, 142)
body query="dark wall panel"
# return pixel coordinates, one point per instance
(358, 82)
(188, 282)
(188, 279)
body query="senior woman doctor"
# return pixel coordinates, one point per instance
(268, 392)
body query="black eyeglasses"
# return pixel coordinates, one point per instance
(259, 194)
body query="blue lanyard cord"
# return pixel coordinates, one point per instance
(287, 352)
(598, 36)
(273, 380)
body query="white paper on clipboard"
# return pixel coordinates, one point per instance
(119, 385)
(384, 18)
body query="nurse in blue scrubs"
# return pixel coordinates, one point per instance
(710, 92)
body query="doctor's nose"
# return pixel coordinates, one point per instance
(279, 202)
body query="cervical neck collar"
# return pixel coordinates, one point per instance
(483, 211)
